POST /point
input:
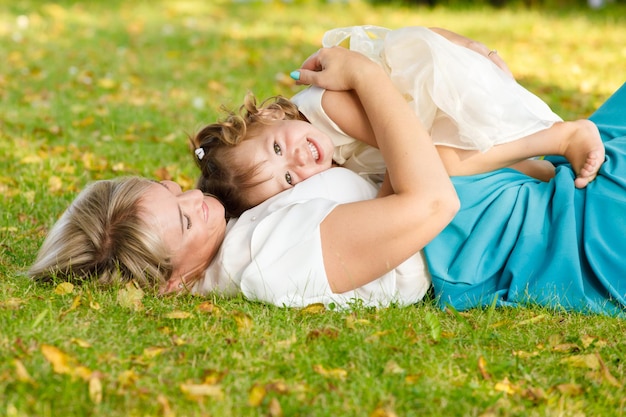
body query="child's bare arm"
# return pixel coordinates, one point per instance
(345, 109)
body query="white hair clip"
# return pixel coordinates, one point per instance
(199, 153)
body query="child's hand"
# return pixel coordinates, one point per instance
(338, 69)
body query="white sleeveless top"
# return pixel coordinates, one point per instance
(273, 252)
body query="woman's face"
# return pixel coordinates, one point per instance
(192, 225)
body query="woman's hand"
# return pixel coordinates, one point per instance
(475, 46)
(338, 69)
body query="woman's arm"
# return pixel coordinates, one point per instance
(362, 241)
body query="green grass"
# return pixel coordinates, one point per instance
(96, 90)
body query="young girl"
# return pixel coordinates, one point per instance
(477, 115)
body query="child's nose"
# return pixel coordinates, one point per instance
(300, 157)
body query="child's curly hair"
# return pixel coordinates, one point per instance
(215, 146)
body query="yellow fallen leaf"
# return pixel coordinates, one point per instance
(336, 373)
(256, 395)
(524, 355)
(274, 408)
(130, 297)
(74, 306)
(177, 314)
(95, 389)
(569, 389)
(178, 341)
(82, 372)
(244, 321)
(566, 347)
(534, 394)
(86, 121)
(506, 386)
(482, 367)
(31, 159)
(392, 368)
(63, 363)
(165, 406)
(313, 309)
(587, 340)
(377, 335)
(213, 377)
(127, 378)
(606, 373)
(287, 342)
(412, 379)
(209, 307)
(118, 167)
(277, 386)
(59, 360)
(589, 361)
(64, 288)
(107, 83)
(152, 352)
(12, 303)
(195, 391)
(93, 304)
(531, 320)
(382, 412)
(22, 373)
(80, 342)
(216, 86)
(55, 184)
(352, 322)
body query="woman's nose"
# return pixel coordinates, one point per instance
(192, 196)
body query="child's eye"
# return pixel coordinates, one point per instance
(288, 178)
(277, 149)
(188, 222)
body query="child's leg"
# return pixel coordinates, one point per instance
(578, 141)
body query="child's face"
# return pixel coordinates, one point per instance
(289, 152)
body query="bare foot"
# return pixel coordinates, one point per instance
(585, 152)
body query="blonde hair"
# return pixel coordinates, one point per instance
(222, 174)
(103, 237)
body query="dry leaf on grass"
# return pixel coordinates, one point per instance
(130, 297)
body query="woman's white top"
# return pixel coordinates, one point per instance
(463, 99)
(273, 252)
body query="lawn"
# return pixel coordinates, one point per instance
(97, 90)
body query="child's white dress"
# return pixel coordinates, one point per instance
(462, 98)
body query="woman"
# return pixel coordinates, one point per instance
(515, 241)
(340, 239)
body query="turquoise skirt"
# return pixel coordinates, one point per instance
(519, 241)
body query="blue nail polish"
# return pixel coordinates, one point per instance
(295, 75)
